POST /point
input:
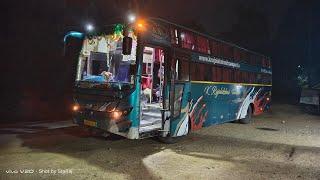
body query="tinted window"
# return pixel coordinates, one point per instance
(208, 73)
(228, 52)
(187, 40)
(217, 73)
(215, 48)
(203, 45)
(237, 76)
(244, 56)
(182, 70)
(236, 54)
(226, 75)
(192, 71)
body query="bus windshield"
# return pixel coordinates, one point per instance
(101, 60)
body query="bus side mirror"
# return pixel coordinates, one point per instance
(72, 40)
(126, 45)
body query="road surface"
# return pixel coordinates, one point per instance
(281, 144)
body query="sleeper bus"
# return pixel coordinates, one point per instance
(157, 78)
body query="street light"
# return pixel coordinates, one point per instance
(89, 27)
(131, 18)
(141, 25)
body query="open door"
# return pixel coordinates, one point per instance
(180, 97)
(152, 89)
(165, 94)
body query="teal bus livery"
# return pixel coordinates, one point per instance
(156, 78)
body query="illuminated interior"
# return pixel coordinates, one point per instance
(152, 88)
(101, 60)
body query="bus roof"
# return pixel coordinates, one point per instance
(208, 36)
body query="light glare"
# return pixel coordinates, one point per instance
(116, 114)
(76, 107)
(131, 18)
(89, 27)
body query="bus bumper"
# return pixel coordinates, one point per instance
(103, 121)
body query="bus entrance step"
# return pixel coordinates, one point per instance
(144, 123)
(150, 128)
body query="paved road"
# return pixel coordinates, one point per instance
(282, 144)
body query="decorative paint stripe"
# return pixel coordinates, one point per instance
(244, 84)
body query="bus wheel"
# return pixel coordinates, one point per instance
(248, 117)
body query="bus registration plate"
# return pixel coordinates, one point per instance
(90, 123)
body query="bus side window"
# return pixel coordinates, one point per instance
(258, 61)
(231, 71)
(236, 55)
(258, 78)
(255, 77)
(220, 49)
(270, 79)
(226, 75)
(202, 45)
(187, 40)
(253, 60)
(174, 36)
(193, 71)
(213, 73)
(251, 76)
(228, 52)
(208, 73)
(269, 63)
(219, 74)
(235, 79)
(214, 48)
(242, 77)
(200, 69)
(182, 70)
(246, 77)
(238, 76)
(245, 56)
(263, 62)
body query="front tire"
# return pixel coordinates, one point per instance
(248, 118)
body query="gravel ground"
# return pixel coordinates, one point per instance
(281, 144)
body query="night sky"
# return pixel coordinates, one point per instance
(38, 79)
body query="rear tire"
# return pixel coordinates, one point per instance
(248, 118)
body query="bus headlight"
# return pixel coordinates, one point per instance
(116, 114)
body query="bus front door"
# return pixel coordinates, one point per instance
(152, 89)
(179, 98)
